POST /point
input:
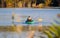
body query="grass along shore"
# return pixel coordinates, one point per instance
(52, 31)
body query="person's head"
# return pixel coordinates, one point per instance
(29, 17)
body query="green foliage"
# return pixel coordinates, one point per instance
(53, 31)
(8, 1)
(48, 34)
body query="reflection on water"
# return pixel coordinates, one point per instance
(9, 35)
(22, 35)
(21, 31)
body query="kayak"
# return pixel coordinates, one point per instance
(29, 22)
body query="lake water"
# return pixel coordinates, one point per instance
(21, 15)
(12, 35)
(48, 16)
(21, 35)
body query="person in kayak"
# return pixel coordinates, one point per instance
(29, 19)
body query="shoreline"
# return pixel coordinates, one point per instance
(22, 28)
